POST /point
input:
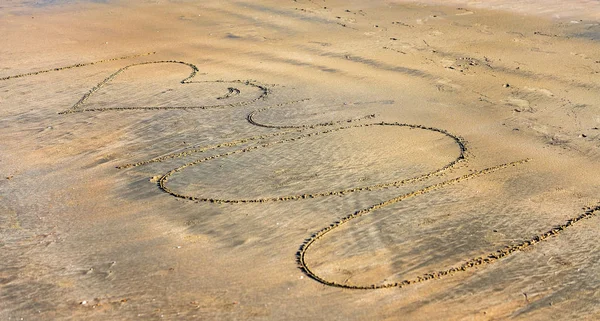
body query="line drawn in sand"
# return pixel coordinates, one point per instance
(311, 130)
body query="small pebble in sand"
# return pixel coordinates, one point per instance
(506, 85)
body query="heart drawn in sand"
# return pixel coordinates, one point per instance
(220, 93)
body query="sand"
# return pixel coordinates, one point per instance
(293, 160)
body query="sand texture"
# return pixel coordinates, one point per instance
(299, 160)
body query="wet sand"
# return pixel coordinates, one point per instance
(329, 160)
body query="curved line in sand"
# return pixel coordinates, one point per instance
(492, 257)
(162, 182)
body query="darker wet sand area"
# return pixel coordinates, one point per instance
(309, 159)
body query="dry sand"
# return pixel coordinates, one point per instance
(294, 160)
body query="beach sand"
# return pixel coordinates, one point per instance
(294, 160)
